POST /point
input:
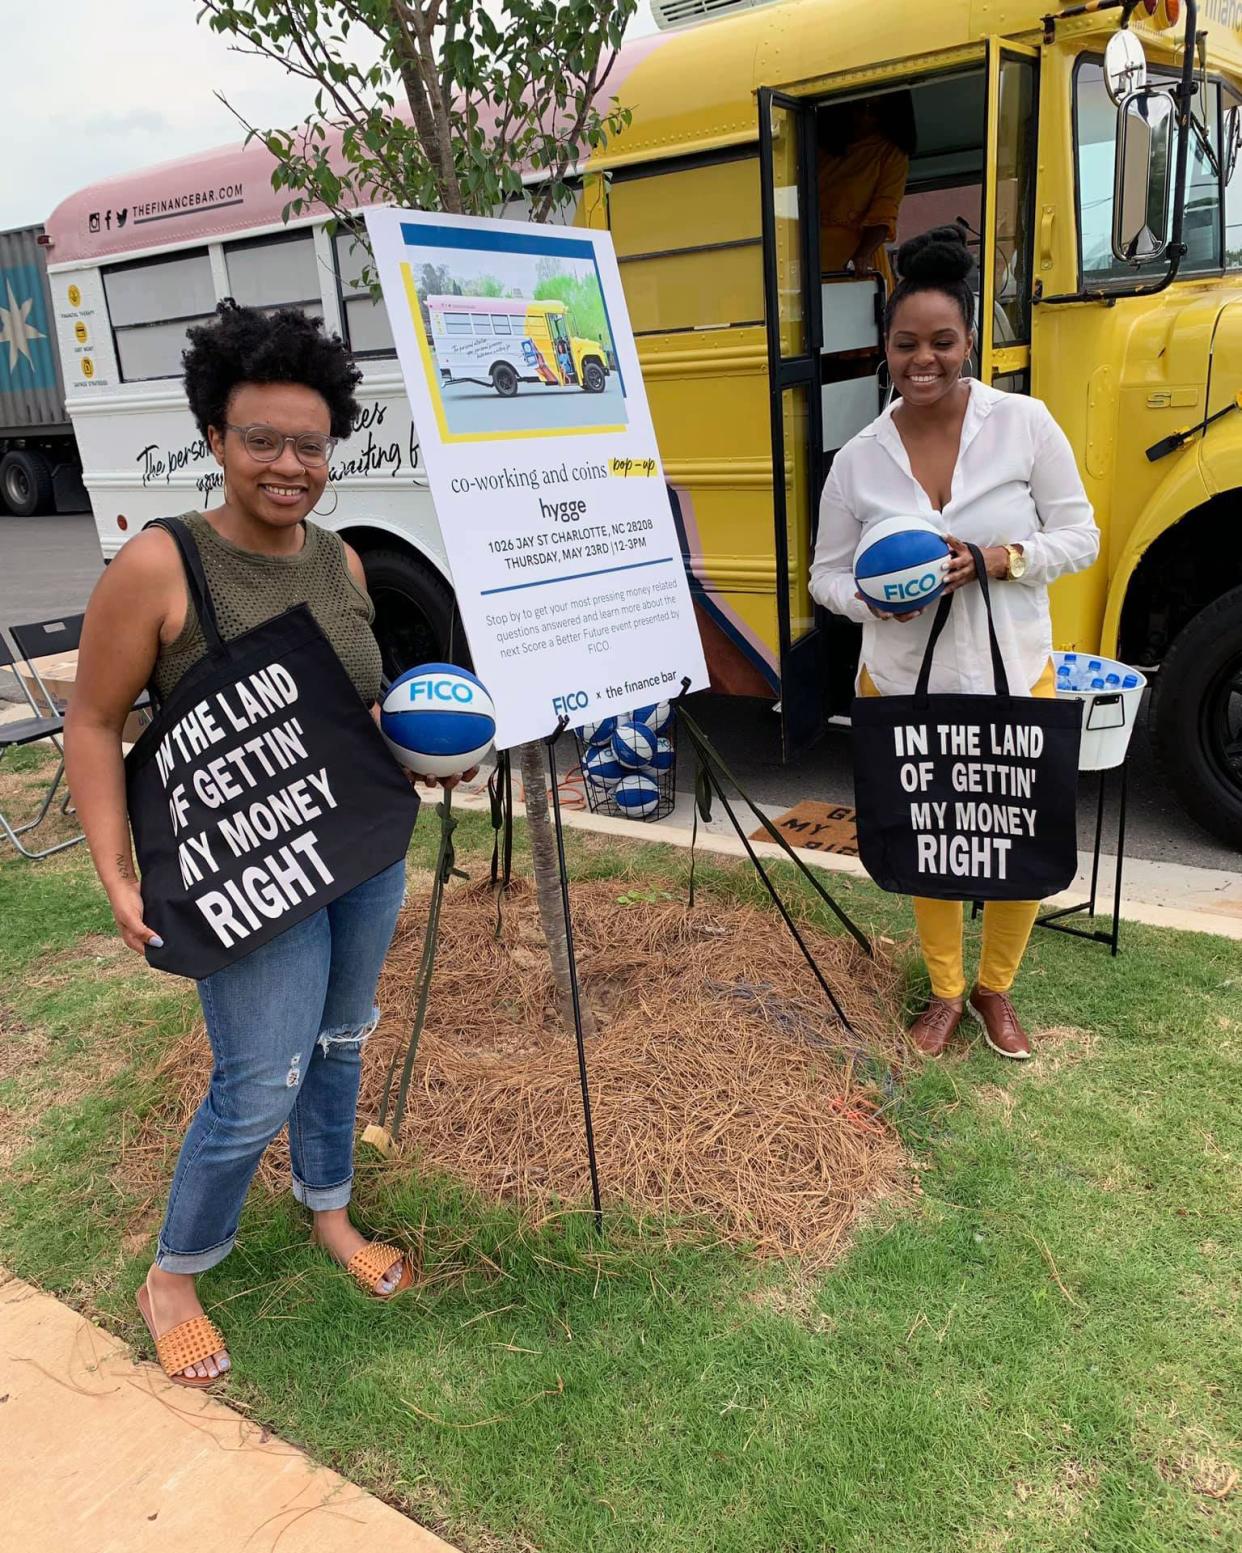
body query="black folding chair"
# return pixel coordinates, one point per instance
(29, 730)
(41, 639)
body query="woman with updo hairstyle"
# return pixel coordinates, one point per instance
(272, 395)
(982, 466)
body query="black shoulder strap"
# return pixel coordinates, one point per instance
(1000, 680)
(195, 578)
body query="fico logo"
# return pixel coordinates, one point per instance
(574, 701)
(432, 690)
(911, 589)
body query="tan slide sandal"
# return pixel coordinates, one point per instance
(369, 1264)
(188, 1343)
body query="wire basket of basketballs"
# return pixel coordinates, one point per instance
(629, 763)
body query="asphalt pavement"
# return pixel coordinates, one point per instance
(48, 566)
(471, 408)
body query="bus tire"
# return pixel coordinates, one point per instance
(504, 380)
(416, 619)
(26, 483)
(1196, 717)
(594, 378)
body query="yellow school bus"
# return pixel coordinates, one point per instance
(505, 342)
(1097, 182)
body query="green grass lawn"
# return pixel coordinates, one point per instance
(1042, 1353)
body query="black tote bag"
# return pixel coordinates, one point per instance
(967, 797)
(261, 791)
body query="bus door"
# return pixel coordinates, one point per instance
(792, 310)
(560, 344)
(1007, 278)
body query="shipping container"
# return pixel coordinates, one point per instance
(39, 466)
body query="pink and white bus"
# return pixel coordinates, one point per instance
(138, 259)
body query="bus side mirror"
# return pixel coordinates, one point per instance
(1232, 140)
(1143, 176)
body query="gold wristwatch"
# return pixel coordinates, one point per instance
(1017, 563)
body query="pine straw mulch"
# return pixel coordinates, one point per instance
(723, 1088)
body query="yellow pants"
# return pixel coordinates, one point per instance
(1006, 924)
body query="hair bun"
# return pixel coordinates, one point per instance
(936, 258)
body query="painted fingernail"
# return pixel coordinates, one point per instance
(155, 941)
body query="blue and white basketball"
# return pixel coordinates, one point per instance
(601, 768)
(662, 760)
(598, 733)
(656, 717)
(900, 564)
(438, 720)
(633, 744)
(636, 796)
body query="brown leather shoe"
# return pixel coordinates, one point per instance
(935, 1027)
(1001, 1029)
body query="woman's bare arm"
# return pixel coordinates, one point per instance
(132, 602)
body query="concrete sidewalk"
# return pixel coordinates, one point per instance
(102, 1454)
(1176, 895)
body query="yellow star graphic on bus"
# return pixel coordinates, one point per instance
(16, 330)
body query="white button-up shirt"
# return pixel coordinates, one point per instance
(1015, 483)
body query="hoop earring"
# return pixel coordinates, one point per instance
(885, 386)
(335, 503)
(967, 371)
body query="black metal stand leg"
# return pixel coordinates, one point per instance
(778, 903)
(1121, 857)
(573, 975)
(1095, 856)
(1055, 920)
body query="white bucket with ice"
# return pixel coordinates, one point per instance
(1109, 711)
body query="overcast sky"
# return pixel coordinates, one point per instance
(97, 87)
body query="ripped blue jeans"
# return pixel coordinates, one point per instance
(286, 1026)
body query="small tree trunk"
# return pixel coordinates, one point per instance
(532, 760)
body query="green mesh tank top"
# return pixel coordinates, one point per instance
(248, 589)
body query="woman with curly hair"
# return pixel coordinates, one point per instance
(272, 395)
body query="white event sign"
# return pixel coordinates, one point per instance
(523, 379)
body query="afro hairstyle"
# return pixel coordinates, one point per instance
(938, 260)
(244, 345)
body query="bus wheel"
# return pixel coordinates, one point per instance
(26, 483)
(593, 377)
(504, 380)
(416, 618)
(1197, 717)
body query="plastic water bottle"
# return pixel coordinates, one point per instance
(1113, 681)
(1097, 683)
(1130, 682)
(1064, 678)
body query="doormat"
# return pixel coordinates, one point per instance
(819, 827)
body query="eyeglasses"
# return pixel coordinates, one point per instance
(266, 444)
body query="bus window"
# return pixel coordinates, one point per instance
(672, 228)
(151, 304)
(274, 272)
(482, 324)
(1233, 215)
(457, 323)
(500, 324)
(1015, 202)
(1096, 122)
(367, 330)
